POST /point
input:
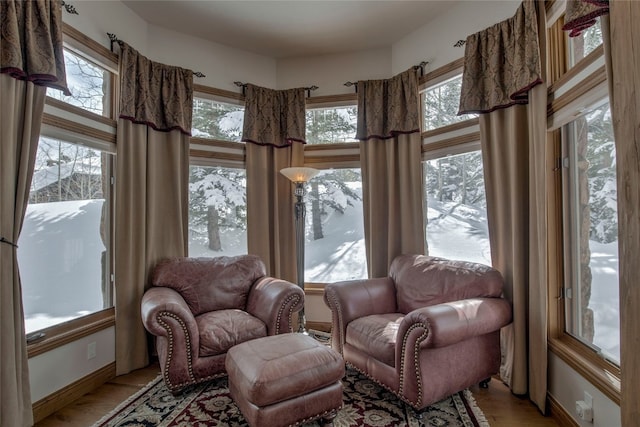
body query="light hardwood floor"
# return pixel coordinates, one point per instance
(501, 408)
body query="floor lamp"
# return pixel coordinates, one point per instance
(300, 176)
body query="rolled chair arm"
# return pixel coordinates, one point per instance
(166, 314)
(353, 299)
(452, 322)
(274, 301)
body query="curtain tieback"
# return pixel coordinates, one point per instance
(8, 242)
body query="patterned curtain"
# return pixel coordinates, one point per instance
(390, 155)
(501, 79)
(32, 42)
(158, 95)
(501, 64)
(274, 129)
(581, 14)
(31, 59)
(274, 117)
(152, 173)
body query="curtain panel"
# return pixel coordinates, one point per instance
(274, 129)
(622, 58)
(31, 59)
(501, 63)
(391, 159)
(514, 154)
(157, 95)
(388, 107)
(579, 15)
(274, 117)
(152, 173)
(31, 39)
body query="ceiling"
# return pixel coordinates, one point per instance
(282, 29)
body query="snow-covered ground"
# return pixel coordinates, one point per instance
(60, 250)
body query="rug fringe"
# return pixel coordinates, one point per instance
(126, 402)
(477, 412)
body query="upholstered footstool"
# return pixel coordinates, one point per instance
(285, 380)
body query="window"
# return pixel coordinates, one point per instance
(335, 247)
(585, 43)
(331, 125)
(88, 83)
(591, 233)
(440, 104)
(456, 208)
(64, 244)
(217, 211)
(217, 120)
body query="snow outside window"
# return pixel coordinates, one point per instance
(331, 125)
(217, 211)
(590, 207)
(217, 120)
(440, 104)
(62, 251)
(88, 83)
(334, 232)
(456, 223)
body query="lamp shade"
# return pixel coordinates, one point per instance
(299, 174)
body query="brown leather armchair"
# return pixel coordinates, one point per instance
(198, 308)
(430, 329)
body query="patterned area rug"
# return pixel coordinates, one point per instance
(365, 404)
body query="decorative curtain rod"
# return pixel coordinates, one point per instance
(244, 88)
(420, 67)
(114, 39)
(69, 8)
(459, 43)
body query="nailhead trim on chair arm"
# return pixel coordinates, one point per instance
(160, 317)
(282, 307)
(416, 359)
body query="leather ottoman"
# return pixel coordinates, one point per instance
(285, 380)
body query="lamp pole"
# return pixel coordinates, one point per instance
(299, 176)
(300, 213)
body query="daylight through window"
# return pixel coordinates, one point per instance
(335, 247)
(63, 246)
(591, 227)
(456, 208)
(217, 211)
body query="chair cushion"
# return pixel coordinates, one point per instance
(220, 330)
(209, 284)
(375, 335)
(423, 281)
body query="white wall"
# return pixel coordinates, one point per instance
(221, 65)
(55, 369)
(330, 72)
(567, 387)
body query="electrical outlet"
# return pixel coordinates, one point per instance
(588, 399)
(91, 350)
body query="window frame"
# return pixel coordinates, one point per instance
(75, 125)
(572, 91)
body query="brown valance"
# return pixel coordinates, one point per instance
(274, 117)
(581, 14)
(158, 95)
(502, 63)
(389, 107)
(31, 42)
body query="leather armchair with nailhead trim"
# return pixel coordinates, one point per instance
(429, 330)
(198, 308)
